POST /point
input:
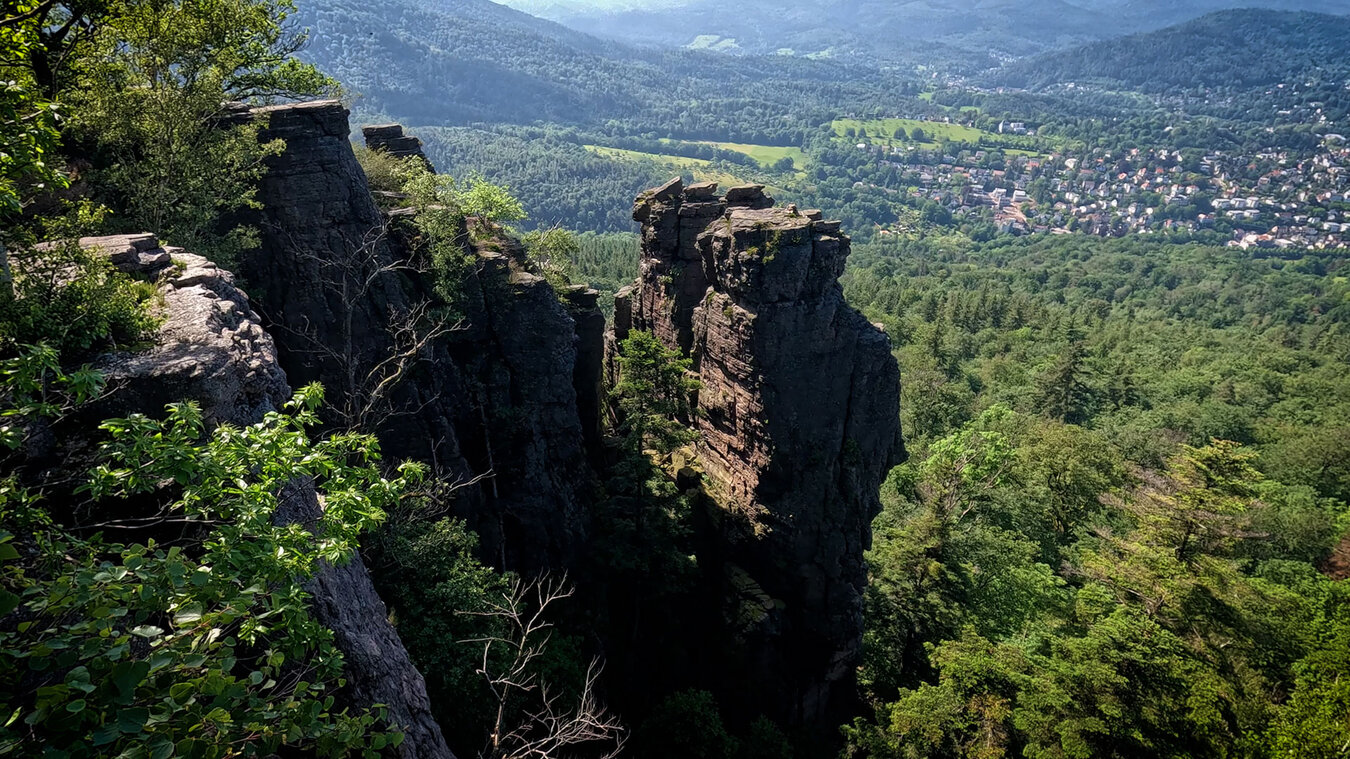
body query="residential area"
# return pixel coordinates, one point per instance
(1270, 199)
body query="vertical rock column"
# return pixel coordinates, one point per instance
(798, 423)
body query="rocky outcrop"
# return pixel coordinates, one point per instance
(798, 424)
(389, 138)
(491, 401)
(587, 377)
(212, 349)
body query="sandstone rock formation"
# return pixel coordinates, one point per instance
(390, 139)
(798, 422)
(212, 349)
(491, 399)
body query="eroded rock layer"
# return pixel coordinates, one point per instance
(491, 400)
(798, 422)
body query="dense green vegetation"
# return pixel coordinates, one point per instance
(142, 647)
(1128, 463)
(474, 61)
(1239, 50)
(1122, 529)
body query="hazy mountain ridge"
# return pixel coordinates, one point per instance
(1232, 49)
(886, 30)
(466, 61)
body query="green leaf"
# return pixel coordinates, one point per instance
(127, 676)
(8, 602)
(188, 615)
(181, 692)
(8, 552)
(161, 748)
(105, 735)
(132, 720)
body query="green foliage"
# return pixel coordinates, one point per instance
(201, 645)
(436, 589)
(653, 394)
(553, 251)
(439, 224)
(487, 204)
(150, 92)
(33, 387)
(1012, 613)
(1315, 722)
(687, 724)
(28, 120)
(385, 173)
(74, 300)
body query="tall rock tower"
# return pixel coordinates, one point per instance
(798, 424)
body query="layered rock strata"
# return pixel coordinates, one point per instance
(797, 421)
(490, 401)
(212, 349)
(389, 138)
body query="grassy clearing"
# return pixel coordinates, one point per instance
(702, 170)
(883, 129)
(765, 155)
(713, 42)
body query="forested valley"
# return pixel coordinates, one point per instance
(1114, 277)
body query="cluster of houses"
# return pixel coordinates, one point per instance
(1270, 199)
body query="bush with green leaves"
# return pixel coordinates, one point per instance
(73, 299)
(148, 89)
(553, 250)
(442, 209)
(426, 571)
(199, 643)
(385, 173)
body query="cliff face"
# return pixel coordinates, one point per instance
(489, 400)
(798, 423)
(212, 349)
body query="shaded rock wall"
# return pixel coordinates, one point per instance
(213, 350)
(798, 422)
(494, 398)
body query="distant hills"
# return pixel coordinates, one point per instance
(1233, 49)
(885, 29)
(450, 62)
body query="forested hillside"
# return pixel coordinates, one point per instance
(1129, 463)
(964, 34)
(1238, 49)
(472, 60)
(431, 488)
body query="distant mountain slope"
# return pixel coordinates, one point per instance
(449, 62)
(1235, 49)
(462, 60)
(908, 30)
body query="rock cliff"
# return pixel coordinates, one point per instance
(212, 349)
(491, 400)
(390, 139)
(798, 424)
